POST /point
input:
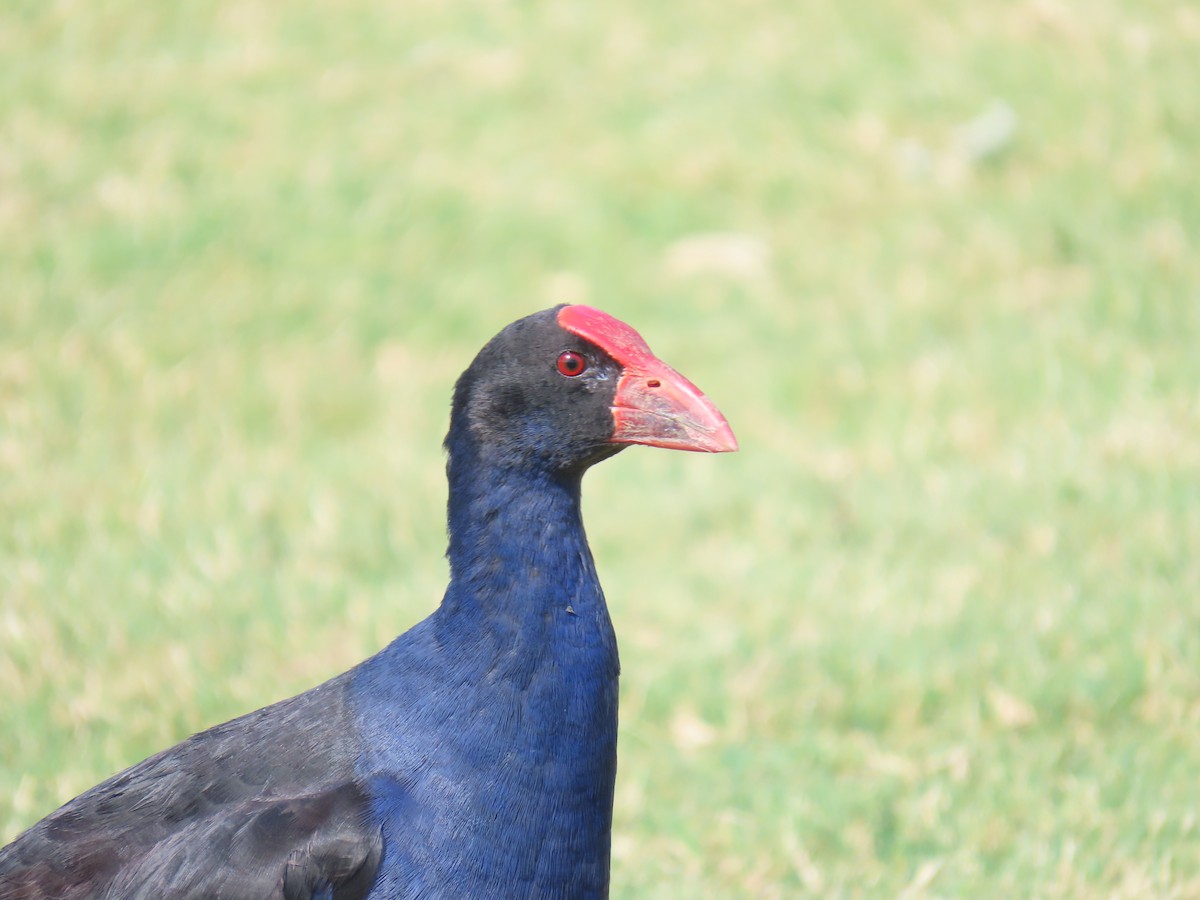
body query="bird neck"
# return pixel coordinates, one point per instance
(517, 545)
(515, 677)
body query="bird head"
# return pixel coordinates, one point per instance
(571, 386)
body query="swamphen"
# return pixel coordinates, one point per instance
(474, 756)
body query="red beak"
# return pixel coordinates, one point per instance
(654, 404)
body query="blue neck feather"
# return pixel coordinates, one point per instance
(510, 687)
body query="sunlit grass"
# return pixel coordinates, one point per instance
(935, 628)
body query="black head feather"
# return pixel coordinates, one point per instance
(515, 408)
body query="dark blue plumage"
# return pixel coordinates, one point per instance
(523, 697)
(475, 755)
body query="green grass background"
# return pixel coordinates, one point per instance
(935, 631)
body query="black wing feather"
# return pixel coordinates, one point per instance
(266, 805)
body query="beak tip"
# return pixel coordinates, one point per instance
(723, 441)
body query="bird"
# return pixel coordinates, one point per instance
(473, 756)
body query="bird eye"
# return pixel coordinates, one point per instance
(571, 363)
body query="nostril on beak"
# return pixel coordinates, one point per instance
(653, 382)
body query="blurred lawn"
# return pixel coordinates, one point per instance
(936, 629)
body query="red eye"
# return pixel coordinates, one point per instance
(571, 363)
